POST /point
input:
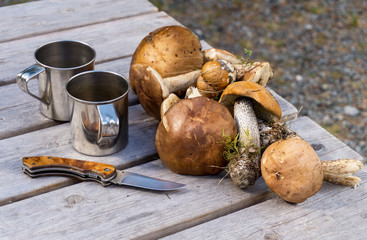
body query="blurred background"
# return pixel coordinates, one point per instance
(317, 49)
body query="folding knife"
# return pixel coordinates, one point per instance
(87, 170)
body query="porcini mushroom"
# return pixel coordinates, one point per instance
(168, 60)
(248, 101)
(292, 169)
(189, 138)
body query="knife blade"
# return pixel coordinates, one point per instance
(105, 174)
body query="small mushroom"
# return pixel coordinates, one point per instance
(292, 169)
(248, 101)
(213, 79)
(339, 171)
(189, 138)
(167, 60)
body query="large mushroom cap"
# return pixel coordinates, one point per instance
(169, 51)
(266, 106)
(189, 139)
(292, 169)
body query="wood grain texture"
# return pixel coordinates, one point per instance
(42, 17)
(111, 40)
(86, 209)
(56, 141)
(335, 212)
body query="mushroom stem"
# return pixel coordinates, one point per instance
(176, 83)
(246, 170)
(192, 92)
(341, 171)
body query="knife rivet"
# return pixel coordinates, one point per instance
(107, 169)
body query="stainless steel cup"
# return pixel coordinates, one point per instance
(99, 122)
(56, 63)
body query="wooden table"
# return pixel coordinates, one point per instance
(60, 207)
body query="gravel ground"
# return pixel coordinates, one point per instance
(317, 49)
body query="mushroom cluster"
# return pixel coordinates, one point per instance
(209, 101)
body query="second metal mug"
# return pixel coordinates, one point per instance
(56, 63)
(99, 122)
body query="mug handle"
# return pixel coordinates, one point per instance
(109, 125)
(26, 75)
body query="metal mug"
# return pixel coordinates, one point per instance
(56, 63)
(99, 122)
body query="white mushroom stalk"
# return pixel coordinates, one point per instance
(248, 101)
(192, 92)
(246, 170)
(176, 83)
(341, 171)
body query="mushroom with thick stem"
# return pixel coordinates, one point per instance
(248, 101)
(259, 72)
(339, 171)
(292, 169)
(189, 138)
(152, 89)
(167, 60)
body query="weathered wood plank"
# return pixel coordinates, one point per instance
(40, 17)
(289, 111)
(56, 141)
(335, 212)
(86, 209)
(111, 40)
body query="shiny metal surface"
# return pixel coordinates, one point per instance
(56, 63)
(99, 122)
(141, 181)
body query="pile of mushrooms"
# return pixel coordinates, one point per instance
(204, 98)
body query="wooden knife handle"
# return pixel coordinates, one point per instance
(47, 163)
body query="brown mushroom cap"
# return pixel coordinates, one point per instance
(292, 169)
(170, 50)
(148, 89)
(266, 106)
(189, 139)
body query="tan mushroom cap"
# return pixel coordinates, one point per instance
(266, 106)
(189, 139)
(148, 89)
(292, 169)
(170, 50)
